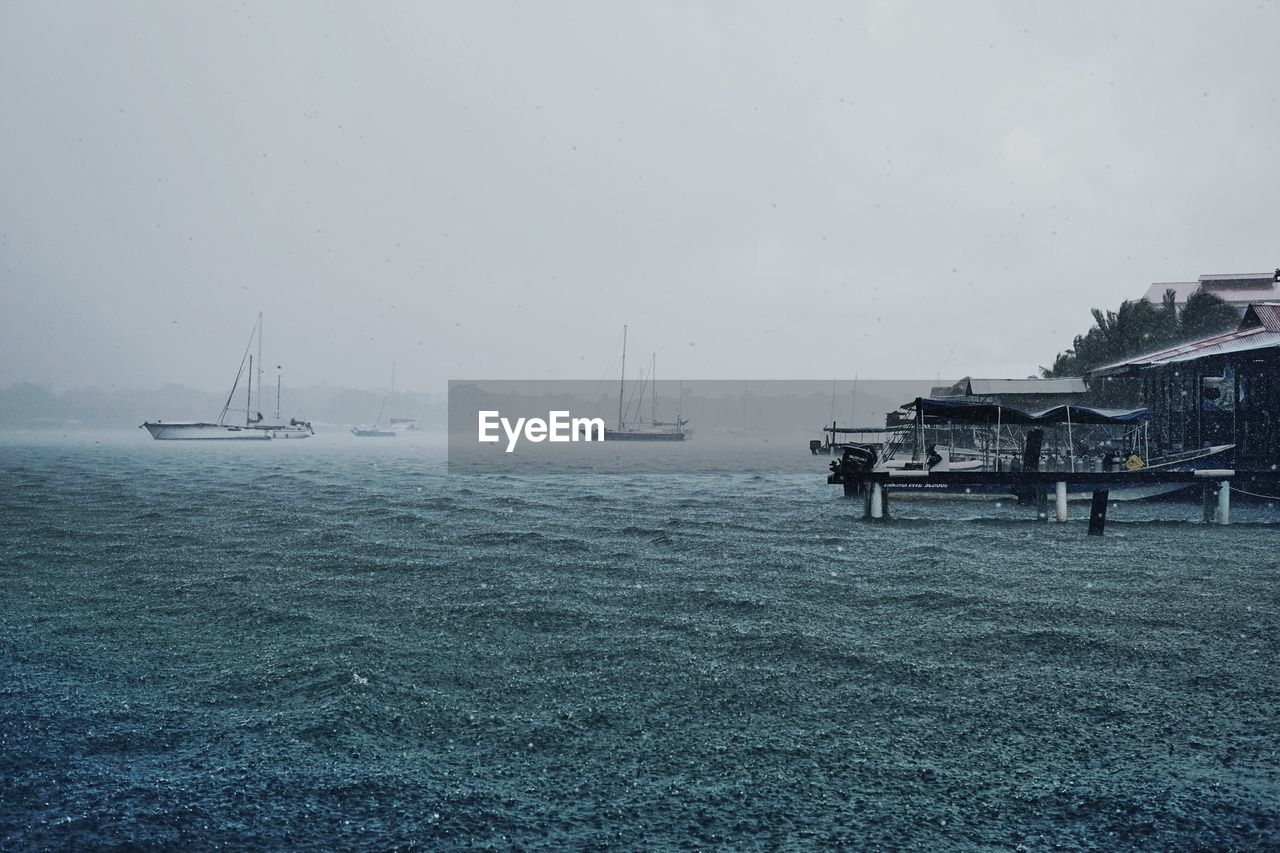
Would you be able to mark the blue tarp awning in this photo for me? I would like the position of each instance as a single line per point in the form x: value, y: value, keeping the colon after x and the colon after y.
x: 964, y: 412
x: 1089, y: 415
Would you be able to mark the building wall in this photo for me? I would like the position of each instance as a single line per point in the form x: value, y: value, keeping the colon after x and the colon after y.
x: 1240, y: 404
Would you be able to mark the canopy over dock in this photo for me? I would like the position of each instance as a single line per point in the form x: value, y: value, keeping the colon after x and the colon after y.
x: 958, y: 411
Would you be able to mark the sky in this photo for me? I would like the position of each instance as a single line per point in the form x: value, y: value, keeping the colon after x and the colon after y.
x: 491, y: 189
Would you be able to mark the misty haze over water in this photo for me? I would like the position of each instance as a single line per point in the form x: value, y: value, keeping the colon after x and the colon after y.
x: 489, y: 190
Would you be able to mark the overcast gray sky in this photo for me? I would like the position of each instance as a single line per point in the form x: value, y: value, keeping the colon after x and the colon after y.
x: 492, y: 189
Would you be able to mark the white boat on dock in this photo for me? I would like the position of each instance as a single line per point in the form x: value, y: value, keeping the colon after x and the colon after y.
x: 926, y: 461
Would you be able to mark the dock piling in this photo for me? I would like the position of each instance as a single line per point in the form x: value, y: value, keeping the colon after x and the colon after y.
x: 872, y: 486
x: 1098, y: 512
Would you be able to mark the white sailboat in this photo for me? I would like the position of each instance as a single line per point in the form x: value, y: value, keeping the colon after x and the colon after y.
x: 254, y: 428
x: 637, y: 430
x: 377, y: 430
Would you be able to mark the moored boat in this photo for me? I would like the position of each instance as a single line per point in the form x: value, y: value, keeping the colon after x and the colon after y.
x: 254, y: 427
x: 636, y: 429
x: 376, y: 431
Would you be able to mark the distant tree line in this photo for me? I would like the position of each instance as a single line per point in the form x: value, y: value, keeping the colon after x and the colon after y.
x: 1140, y: 327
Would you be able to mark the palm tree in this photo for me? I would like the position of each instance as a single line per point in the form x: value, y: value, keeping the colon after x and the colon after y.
x: 1139, y: 327
x: 1206, y: 315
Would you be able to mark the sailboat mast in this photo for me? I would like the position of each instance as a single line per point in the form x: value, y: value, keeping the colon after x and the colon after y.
x: 644, y: 386
x: 239, y: 372
x: 383, y: 407
x: 277, y: 393
x: 260, y: 364
x: 248, y: 394
x: 653, y: 400
x: 622, y: 376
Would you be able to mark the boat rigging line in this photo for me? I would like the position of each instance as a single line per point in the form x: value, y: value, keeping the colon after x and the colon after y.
x: 240, y: 372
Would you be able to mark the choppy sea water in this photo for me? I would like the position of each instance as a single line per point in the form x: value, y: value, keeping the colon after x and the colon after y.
x: 334, y: 643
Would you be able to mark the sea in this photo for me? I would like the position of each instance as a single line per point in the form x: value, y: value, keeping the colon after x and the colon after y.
x: 336, y: 643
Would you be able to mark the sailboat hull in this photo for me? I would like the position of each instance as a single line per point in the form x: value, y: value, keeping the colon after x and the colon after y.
x: 188, y: 431
x: 628, y: 435
x: 288, y: 432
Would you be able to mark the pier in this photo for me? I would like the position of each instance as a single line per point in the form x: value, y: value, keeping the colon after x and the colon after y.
x: 875, y: 488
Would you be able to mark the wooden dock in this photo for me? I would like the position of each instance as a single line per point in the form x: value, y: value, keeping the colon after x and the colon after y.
x: 873, y: 486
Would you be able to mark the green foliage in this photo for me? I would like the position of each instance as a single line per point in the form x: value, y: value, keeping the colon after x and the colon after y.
x: 1206, y: 315
x: 1139, y: 327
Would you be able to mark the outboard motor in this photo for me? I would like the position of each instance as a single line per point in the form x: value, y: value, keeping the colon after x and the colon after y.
x: 858, y: 457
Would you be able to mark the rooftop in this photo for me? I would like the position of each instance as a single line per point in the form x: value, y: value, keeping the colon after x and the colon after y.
x: 1260, y: 329
x: 1241, y: 279
x: 1237, y: 288
x: 970, y: 387
x: 1182, y: 290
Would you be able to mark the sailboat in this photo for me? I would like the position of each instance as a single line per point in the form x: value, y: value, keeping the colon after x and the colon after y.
x: 376, y: 431
x: 637, y: 430
x: 254, y: 428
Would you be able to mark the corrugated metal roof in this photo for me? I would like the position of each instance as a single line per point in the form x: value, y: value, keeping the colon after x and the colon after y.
x: 1236, y: 288
x: 1267, y: 314
x: 1243, y: 278
x: 983, y: 387
x: 1240, y: 296
x: 1262, y: 340
x: 1242, y: 340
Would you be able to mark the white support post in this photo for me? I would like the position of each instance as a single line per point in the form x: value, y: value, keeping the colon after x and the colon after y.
x: 1071, y: 447
x: 1061, y: 490
x: 877, y: 500
x: 999, y: 413
x: 1224, y: 503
